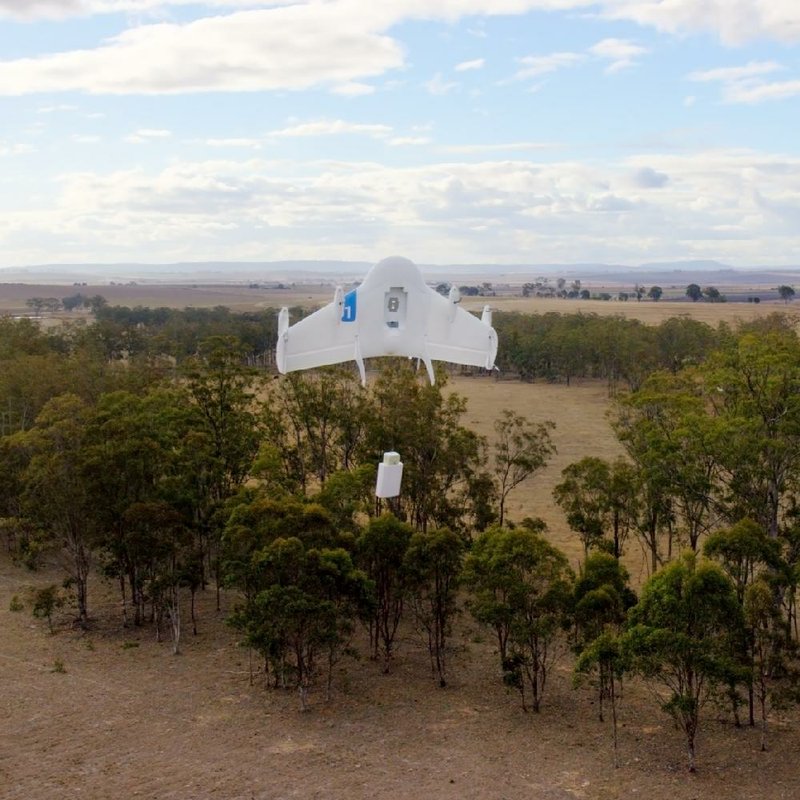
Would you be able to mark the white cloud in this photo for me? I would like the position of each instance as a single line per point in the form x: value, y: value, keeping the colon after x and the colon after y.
x: 476, y: 63
x: 534, y: 66
x: 759, y: 92
x: 294, y: 47
x: 57, y: 108
x: 734, y: 21
x: 147, y: 135
x: 233, y: 142
x: 404, y: 141
x: 735, y: 205
x: 732, y: 74
x: 334, y: 127
x: 620, y: 52
x: 437, y: 85
x: 353, y: 89
x: 746, y: 84
x: 466, y: 149
x: 292, y: 44
x: 8, y: 149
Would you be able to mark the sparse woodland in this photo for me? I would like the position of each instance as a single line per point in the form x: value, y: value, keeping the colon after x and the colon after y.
x: 157, y: 448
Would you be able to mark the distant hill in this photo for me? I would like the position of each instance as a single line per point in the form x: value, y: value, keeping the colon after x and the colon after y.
x: 666, y: 273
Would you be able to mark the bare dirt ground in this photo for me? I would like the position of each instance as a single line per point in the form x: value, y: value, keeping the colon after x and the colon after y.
x: 128, y: 719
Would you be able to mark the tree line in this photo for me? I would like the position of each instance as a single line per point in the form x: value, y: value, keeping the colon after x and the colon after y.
x: 205, y: 474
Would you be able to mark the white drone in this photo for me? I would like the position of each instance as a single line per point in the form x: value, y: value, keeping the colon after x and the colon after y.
x: 392, y: 313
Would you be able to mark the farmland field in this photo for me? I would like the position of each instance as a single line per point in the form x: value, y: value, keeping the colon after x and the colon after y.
x: 125, y: 718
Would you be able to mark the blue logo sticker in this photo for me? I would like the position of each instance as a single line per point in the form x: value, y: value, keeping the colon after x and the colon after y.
x: 349, y: 307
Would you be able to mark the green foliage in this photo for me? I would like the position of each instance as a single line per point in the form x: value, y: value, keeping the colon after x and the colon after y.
x: 441, y: 457
x: 306, y: 608
x: 433, y: 569
x: 16, y: 604
x: 786, y: 293
x: 599, y: 498
x: 381, y: 550
x: 46, y: 601
x: 522, y: 588
x: 682, y: 635
x: 58, y: 667
x: 742, y: 551
x: 521, y: 448
x: 566, y: 346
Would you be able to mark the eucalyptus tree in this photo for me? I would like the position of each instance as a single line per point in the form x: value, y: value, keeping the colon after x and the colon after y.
x: 433, y: 571
x: 746, y: 554
x: 305, y: 610
x: 522, y: 588
x: 773, y: 650
x: 316, y: 423
x: 602, y: 598
x: 135, y: 453
x: 227, y: 438
x: 55, y: 493
x: 681, y: 637
x: 599, y: 499
x: 667, y: 432
x: 381, y: 551
x: 521, y: 448
x: 752, y: 385
x: 441, y: 457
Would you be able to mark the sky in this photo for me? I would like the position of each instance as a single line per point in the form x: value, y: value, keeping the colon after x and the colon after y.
x: 446, y: 131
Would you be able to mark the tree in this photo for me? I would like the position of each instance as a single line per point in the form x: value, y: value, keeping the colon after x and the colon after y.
x: 522, y: 589
x: 694, y: 292
x: 441, y: 457
x: 55, y: 492
x: 433, y: 569
x: 752, y: 390
x: 73, y: 301
x: 713, y: 295
x: 306, y: 609
x: 667, y: 432
x: 604, y: 656
x: 598, y: 498
x: 521, y: 448
x: 681, y: 635
x: 786, y: 293
x: 36, y: 303
x: 655, y: 293
x: 227, y: 439
x: 772, y: 647
x: 745, y: 553
x: 46, y: 601
x: 601, y: 600
x: 381, y: 552
x: 317, y: 423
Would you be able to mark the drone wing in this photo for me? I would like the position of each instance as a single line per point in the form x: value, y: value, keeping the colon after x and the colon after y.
x: 455, y: 335
x: 325, y: 337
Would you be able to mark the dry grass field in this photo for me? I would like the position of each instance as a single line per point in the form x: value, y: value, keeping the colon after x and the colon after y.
x: 239, y: 297
x: 127, y: 719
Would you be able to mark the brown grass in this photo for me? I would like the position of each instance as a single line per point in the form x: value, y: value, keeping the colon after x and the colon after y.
x: 649, y: 312
x: 239, y: 297
x: 138, y: 722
